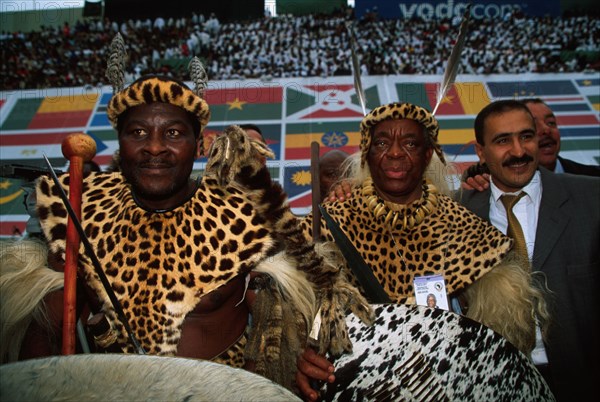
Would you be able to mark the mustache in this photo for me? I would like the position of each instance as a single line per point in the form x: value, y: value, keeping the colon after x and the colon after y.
x: 514, y: 160
x: 155, y: 162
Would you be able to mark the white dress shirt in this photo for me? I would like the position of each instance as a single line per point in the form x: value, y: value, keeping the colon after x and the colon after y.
x: 526, y: 211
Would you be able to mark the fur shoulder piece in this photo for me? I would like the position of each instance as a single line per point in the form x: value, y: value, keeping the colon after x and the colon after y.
x: 451, y: 241
x: 159, y: 263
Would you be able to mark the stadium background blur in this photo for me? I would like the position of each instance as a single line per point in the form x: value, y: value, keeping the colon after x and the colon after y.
x: 286, y: 66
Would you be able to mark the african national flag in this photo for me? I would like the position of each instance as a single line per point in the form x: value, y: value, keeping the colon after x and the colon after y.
x: 457, y: 136
x: 327, y: 100
x: 13, y: 215
x: 462, y: 98
x: 344, y: 136
x: 50, y: 112
x: 248, y: 102
x: 297, y: 185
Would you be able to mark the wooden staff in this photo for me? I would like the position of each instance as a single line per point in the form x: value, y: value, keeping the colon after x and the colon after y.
x: 78, y: 148
x: 316, y: 189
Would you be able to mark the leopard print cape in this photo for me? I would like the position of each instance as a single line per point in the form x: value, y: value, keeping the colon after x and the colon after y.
x: 451, y: 241
x: 159, y: 264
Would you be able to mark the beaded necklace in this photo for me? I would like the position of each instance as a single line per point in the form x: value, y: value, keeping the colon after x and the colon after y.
x: 400, y: 216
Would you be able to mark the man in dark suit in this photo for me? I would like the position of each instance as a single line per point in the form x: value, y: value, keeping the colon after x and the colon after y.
x: 560, y: 220
x: 573, y: 167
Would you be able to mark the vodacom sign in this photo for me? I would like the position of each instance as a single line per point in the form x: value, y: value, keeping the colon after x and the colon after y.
x: 450, y: 9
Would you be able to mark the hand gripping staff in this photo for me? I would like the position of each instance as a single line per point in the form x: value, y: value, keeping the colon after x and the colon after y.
x: 78, y: 149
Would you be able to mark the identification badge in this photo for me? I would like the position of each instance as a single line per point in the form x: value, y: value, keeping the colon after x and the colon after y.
x: 430, y: 291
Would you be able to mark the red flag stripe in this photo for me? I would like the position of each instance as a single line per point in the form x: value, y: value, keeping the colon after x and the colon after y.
x: 60, y: 119
x: 338, y: 113
x: 32, y: 139
x: 302, y: 201
x: 250, y: 94
x: 577, y: 120
x: 330, y: 87
x: 7, y: 228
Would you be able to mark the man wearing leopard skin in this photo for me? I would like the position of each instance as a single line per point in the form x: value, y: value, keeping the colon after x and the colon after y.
x: 404, y: 228
x: 177, y: 250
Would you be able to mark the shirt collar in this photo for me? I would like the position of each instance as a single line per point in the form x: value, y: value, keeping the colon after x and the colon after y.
x: 533, y: 188
x: 559, y: 167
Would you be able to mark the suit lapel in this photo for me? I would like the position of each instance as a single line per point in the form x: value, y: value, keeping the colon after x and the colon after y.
x: 479, y: 204
x: 551, y: 219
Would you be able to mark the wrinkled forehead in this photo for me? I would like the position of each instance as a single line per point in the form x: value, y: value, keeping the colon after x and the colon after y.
x: 398, y: 127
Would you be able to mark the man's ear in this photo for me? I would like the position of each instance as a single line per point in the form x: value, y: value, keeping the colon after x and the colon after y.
x: 479, y: 149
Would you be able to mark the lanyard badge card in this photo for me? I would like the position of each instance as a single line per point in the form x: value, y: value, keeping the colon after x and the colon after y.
x: 430, y: 291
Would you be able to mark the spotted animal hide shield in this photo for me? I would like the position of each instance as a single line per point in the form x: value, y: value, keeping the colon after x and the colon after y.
x: 415, y: 353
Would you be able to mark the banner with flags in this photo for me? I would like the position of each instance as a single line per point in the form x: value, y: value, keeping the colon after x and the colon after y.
x: 50, y: 112
x: 292, y: 113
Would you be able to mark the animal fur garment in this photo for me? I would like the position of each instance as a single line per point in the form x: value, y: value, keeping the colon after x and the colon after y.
x: 416, y: 353
x: 508, y: 300
x: 163, y: 263
x: 450, y: 241
x: 25, y: 280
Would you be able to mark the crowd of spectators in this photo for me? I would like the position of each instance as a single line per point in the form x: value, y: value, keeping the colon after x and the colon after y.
x: 301, y: 46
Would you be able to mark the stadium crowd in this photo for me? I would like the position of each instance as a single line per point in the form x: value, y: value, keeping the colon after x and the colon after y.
x: 300, y: 46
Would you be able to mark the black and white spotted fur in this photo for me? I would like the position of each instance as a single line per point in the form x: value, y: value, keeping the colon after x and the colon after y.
x: 415, y: 353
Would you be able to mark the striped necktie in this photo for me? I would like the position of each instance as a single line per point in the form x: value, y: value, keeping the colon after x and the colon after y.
x: 514, y: 228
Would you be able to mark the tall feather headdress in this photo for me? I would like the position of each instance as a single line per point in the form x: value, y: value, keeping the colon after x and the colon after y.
x: 453, y: 61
